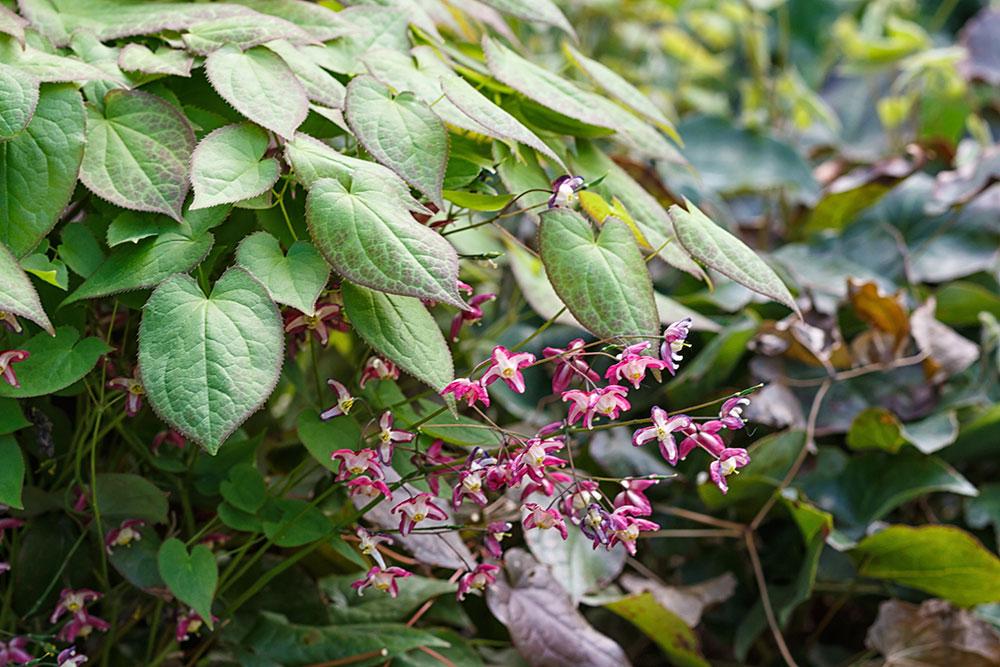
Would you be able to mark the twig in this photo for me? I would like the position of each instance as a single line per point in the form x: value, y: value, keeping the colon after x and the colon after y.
x: 352, y: 659
x: 765, y: 599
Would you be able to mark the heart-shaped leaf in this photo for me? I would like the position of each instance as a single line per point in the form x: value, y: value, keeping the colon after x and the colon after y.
x: 38, y: 168
x: 192, y: 578
x: 18, y: 99
x: 54, y: 362
x: 371, y: 239
x: 226, y: 166
x: 259, y: 85
x: 209, y: 362
x: 295, y: 279
x: 244, y: 489
x: 126, y: 496
x: 720, y: 250
x: 17, y: 294
x: 401, y: 329
x: 399, y: 131
x: 603, y: 281
x: 138, y: 152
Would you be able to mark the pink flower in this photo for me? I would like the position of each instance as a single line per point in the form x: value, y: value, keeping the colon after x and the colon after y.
x: 595, y: 523
x: 500, y: 475
x: 377, y: 368
x: 496, y: 532
x: 123, y: 535
x: 387, y: 437
x: 368, y: 544
x: 14, y: 653
x: 632, y: 365
x: 470, y: 485
x: 369, y: 488
x: 625, y: 528
x: 564, y: 190
x: 73, y: 601
x: 189, y: 624
x: 344, y: 401
x: 133, y: 392
x: 171, y: 436
x: 327, y: 316
x: 81, y: 625
x: 417, y: 509
x: 575, y: 504
x: 473, y: 315
x: 381, y: 579
x: 507, y: 367
x: 434, y: 456
x: 569, y: 363
x: 543, y: 519
x: 731, y: 413
x: 363, y: 462
x: 581, y: 405
x: 68, y: 657
x: 7, y: 360
x: 729, y: 461
x: 663, y: 431
x: 546, y: 485
x: 477, y: 580
x: 470, y: 390
x: 704, y: 435
x: 634, y: 496
x: 673, y: 342
x: 536, y: 457
x: 9, y: 321
x: 9, y: 523
x: 610, y: 401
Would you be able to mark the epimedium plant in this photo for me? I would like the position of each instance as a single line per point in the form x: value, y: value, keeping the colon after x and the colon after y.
x: 271, y: 390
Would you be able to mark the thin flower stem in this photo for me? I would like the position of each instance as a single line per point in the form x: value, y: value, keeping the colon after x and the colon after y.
x: 698, y: 517
x: 765, y: 599
x: 549, y: 322
x: 353, y: 659
x: 284, y: 211
x: 693, y: 532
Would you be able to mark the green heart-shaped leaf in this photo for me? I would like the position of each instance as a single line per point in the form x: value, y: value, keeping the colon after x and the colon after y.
x: 209, y: 362
x: 226, y: 167
x: 295, y: 279
x: 54, y: 363
x: 603, y: 281
x: 17, y: 294
x: 190, y: 577
x: 18, y: 99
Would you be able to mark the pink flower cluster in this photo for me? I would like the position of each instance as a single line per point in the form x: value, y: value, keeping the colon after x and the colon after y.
x: 81, y: 622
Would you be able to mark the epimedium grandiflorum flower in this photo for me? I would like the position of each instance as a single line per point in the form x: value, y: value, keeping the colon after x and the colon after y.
x: 632, y: 365
x: 189, y: 624
x: 564, y: 190
x: 344, y: 401
x: 361, y: 462
x: 546, y: 485
x: 471, y: 316
x: 9, y: 320
x: 496, y: 532
x: 543, y: 519
x: 704, y: 435
x: 662, y: 430
x: 327, y: 316
x: 417, y: 509
x: 68, y: 657
x: 595, y: 524
x: 728, y: 463
x: 468, y: 390
x: 434, y: 457
x: 507, y: 366
x: 674, y: 337
x: 586, y: 492
x: 368, y: 488
x: 377, y: 368
x: 73, y: 601
x: 368, y: 544
x: 569, y: 363
x: 536, y: 457
x: 388, y: 437
x: 626, y: 527
x: 381, y: 579
x: 81, y: 625
x: 471, y: 479
x: 7, y: 360
x: 133, y: 389
x: 124, y: 535
x: 14, y: 652
x: 476, y: 581
x: 731, y: 413
x: 634, y: 495
x: 611, y: 401
x: 170, y: 436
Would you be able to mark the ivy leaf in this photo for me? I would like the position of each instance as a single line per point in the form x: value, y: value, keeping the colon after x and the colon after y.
x: 944, y: 561
x: 192, y: 578
x: 11, y: 472
x: 399, y: 131
x: 209, y: 362
x: 295, y: 279
x: 603, y: 281
x: 226, y: 166
x: 259, y: 85
x: 373, y: 240
x: 720, y: 250
x: 17, y: 294
x: 539, y: 11
x: 18, y: 99
x: 55, y: 362
x: 138, y: 153
x: 401, y: 329
x: 38, y: 168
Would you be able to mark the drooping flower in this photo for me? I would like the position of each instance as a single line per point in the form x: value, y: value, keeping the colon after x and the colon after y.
x: 704, y: 435
x: 507, y: 367
x: 81, y: 625
x: 545, y: 486
x: 471, y: 316
x: 14, y: 653
x: 344, y: 401
x: 477, y: 580
x: 133, y: 389
x: 564, y: 190
x: 369, y: 488
x: 535, y: 457
x: 632, y: 365
x: 501, y: 474
x: 189, y: 624
x: 377, y: 368
x: 470, y: 485
x: 634, y: 495
x: 362, y: 462
x: 435, y: 456
x: 580, y: 406
x: 169, y: 436
x: 382, y: 579
x: 625, y: 528
x: 586, y: 493
x: 416, y: 509
x: 731, y: 413
x: 73, y: 601
x: 388, y: 437
x: 673, y: 342
x: 728, y: 463
x: 496, y: 532
x: 9, y: 321
x: 543, y: 519
x: 595, y: 523
x: 610, y: 401
x: 68, y: 657
x: 469, y: 390
x: 327, y: 316
x: 368, y: 544
x: 124, y: 534
x: 7, y: 360
x: 662, y: 430
x: 569, y: 363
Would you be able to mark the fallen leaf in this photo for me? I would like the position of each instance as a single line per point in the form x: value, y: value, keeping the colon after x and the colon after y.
x: 688, y: 602
x: 948, y: 352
